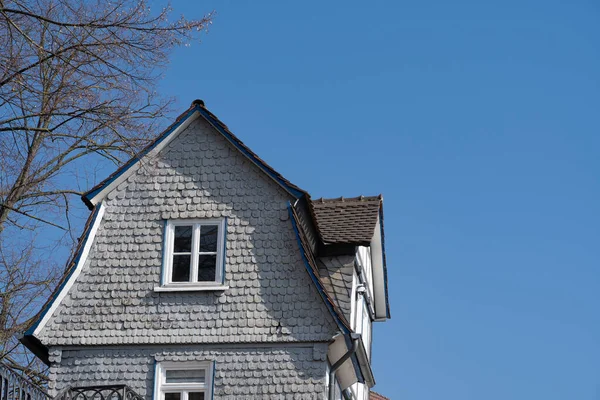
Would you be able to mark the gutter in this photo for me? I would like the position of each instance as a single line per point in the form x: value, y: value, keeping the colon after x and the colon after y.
x: 355, y: 341
x: 365, y: 365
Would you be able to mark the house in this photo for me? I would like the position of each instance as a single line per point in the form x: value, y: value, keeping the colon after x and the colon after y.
x: 205, y: 274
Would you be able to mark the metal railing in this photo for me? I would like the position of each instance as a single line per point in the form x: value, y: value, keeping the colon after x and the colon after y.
x: 14, y: 386
x: 108, y: 392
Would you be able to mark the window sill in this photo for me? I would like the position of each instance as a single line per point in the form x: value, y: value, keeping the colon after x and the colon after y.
x: 216, y: 287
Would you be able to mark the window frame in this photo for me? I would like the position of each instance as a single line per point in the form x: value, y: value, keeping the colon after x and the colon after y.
x: 161, y: 387
x: 168, y: 253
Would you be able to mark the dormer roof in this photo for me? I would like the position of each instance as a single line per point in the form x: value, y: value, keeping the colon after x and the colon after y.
x: 347, y: 220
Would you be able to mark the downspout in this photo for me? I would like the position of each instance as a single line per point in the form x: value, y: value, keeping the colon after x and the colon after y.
x: 355, y: 338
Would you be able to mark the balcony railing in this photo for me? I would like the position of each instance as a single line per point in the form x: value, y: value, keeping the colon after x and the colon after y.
x: 109, y: 392
x: 14, y: 386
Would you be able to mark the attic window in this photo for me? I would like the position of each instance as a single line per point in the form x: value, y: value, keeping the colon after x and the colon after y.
x: 194, y: 254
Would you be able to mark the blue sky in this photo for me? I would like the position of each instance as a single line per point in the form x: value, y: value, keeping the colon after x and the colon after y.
x: 479, y: 122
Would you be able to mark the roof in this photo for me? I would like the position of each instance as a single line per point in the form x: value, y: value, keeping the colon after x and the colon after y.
x: 376, y: 396
x: 347, y: 220
x: 197, y: 106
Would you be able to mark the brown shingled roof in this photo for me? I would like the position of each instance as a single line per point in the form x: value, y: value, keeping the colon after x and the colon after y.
x: 376, y: 396
x: 220, y: 127
x: 347, y: 220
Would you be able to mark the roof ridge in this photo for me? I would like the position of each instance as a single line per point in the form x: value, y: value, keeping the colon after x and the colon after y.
x: 342, y: 199
x: 196, y: 106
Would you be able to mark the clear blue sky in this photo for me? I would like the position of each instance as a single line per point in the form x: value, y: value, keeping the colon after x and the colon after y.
x: 479, y: 123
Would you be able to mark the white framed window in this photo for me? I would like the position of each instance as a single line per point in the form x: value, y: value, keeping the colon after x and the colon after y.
x: 194, y: 254
x: 183, y: 380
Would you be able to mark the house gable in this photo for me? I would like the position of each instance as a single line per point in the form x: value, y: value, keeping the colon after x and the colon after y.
x: 199, y: 174
x: 197, y: 109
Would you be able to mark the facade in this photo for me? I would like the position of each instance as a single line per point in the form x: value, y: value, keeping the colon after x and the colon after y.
x: 204, y: 274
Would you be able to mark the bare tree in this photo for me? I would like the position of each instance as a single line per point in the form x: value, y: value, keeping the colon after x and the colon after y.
x: 25, y: 281
x: 77, y: 86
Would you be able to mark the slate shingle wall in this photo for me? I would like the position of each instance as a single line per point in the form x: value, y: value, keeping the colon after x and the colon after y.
x: 336, y: 274
x: 307, y: 226
x: 242, y: 373
x: 199, y: 175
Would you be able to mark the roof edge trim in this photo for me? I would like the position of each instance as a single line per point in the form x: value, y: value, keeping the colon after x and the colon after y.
x: 96, y: 194
x: 36, y: 347
x: 71, y: 275
x: 313, y: 277
x: 215, y: 123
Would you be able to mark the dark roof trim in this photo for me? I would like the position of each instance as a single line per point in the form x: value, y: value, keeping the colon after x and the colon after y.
x: 36, y: 347
x: 294, y: 190
x: 28, y: 339
x: 93, y: 192
x: 337, y: 315
x: 197, y: 106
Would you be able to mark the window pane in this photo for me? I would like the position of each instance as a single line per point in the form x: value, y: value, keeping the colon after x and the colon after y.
x: 207, y: 265
x: 196, y: 396
x: 172, y: 396
x: 181, y: 268
x: 184, y: 376
x: 183, y: 239
x: 208, y: 238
